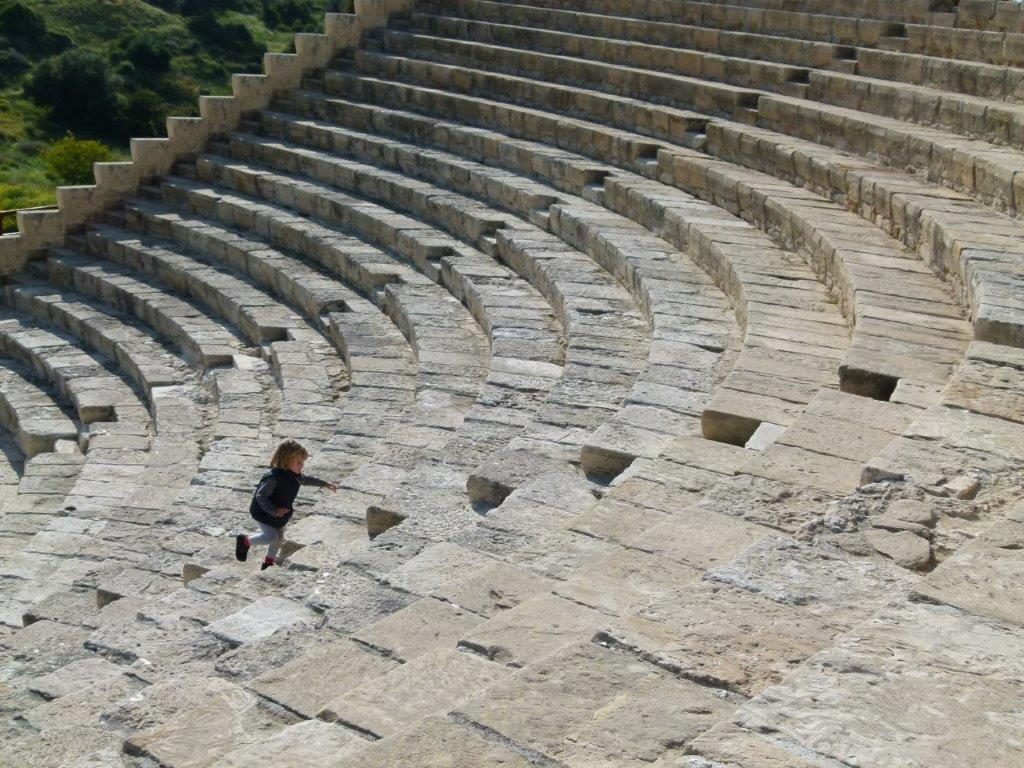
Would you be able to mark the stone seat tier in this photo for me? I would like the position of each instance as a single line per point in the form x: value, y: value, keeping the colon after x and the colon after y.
x: 447, y: 383
x: 738, y: 70
x: 83, y: 380
x: 991, y: 81
x: 978, y: 249
x: 886, y: 255
x: 203, y: 340
x: 135, y: 351
x: 993, y: 47
x: 380, y: 376
x: 30, y: 414
x: 566, y: 284
x: 979, y: 117
x: 579, y: 224
x: 800, y: 53
x: 591, y: 230
x: 936, y: 14
x: 978, y: 167
x: 470, y: 220
x: 991, y: 280
x: 303, y: 361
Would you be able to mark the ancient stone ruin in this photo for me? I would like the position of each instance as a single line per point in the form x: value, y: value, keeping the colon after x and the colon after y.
x: 669, y: 357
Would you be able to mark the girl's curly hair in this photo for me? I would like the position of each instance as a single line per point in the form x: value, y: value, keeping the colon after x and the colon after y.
x: 285, y: 452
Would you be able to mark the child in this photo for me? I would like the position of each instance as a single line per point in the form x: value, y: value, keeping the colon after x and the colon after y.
x: 271, y: 505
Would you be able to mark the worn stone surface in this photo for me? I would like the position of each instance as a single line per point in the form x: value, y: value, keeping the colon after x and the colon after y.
x: 262, y: 618
x: 433, y: 683
x: 306, y: 683
x: 930, y: 671
x: 425, y: 625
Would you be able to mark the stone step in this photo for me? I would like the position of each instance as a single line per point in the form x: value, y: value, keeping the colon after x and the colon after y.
x: 208, y: 343
x: 977, y: 117
x: 548, y: 281
x: 676, y: 91
x: 259, y: 318
x: 30, y: 414
x: 907, y: 653
x: 83, y: 380
x: 976, y: 247
x: 991, y: 81
x: 300, y: 356
x: 867, y: 232
x: 633, y: 266
x: 737, y: 70
x: 740, y: 44
x: 912, y: 11
x: 994, y: 47
x: 135, y: 351
x: 426, y: 686
x: 587, y: 705
x: 531, y: 155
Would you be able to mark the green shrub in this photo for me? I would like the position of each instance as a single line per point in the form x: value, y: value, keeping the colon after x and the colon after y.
x: 12, y: 65
x: 26, y: 30
x: 149, y: 51
x: 70, y: 160
x: 79, y: 89
x: 144, y: 114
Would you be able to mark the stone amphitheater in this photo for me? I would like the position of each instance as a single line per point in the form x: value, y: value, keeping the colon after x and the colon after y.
x: 669, y: 355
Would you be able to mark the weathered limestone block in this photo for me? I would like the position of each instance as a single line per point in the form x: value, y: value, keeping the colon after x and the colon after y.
x: 426, y: 625
x: 435, y: 566
x: 532, y: 630
x: 305, y: 684
x: 985, y: 577
x: 626, y: 581
x: 493, y: 589
x: 593, y: 702
x: 432, y: 683
x: 260, y: 619
x: 76, y: 676
x: 308, y: 744
x: 904, y: 548
x: 197, y: 737
x: 917, y: 686
x: 437, y: 742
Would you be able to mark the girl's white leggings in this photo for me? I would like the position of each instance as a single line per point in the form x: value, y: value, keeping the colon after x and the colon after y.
x: 269, y: 535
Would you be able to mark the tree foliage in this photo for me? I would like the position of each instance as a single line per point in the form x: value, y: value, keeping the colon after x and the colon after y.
x: 70, y: 160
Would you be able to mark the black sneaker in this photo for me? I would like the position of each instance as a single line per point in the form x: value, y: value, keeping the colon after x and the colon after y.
x: 241, y: 548
x: 264, y: 565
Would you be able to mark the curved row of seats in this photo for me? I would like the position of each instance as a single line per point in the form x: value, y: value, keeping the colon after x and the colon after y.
x: 599, y: 335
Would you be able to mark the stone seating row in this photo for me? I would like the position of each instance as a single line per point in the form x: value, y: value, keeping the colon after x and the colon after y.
x: 980, y: 116
x: 846, y: 279
x: 989, y: 315
x: 980, y: 79
x: 992, y: 47
x: 520, y: 195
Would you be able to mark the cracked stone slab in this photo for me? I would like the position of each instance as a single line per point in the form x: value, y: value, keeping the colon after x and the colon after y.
x: 227, y: 719
x: 432, y: 683
x: 919, y: 686
x: 493, y: 589
x: 260, y: 619
x: 437, y: 742
x: 425, y: 625
x: 305, y: 684
x: 303, y: 745
x: 590, y: 703
x: 532, y: 630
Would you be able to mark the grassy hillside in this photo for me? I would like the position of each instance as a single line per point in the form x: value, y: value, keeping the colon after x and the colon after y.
x: 107, y: 70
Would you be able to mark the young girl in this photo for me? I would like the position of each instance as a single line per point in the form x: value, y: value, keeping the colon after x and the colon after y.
x: 271, y: 505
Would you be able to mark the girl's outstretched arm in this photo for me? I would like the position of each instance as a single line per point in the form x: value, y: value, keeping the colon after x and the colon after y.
x: 316, y: 482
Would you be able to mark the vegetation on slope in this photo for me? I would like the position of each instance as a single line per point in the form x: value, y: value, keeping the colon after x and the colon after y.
x: 108, y: 70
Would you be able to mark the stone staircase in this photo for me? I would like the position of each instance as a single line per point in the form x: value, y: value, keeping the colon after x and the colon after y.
x: 667, y: 356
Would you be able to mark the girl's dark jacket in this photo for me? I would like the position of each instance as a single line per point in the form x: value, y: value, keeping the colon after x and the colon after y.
x: 278, y: 488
